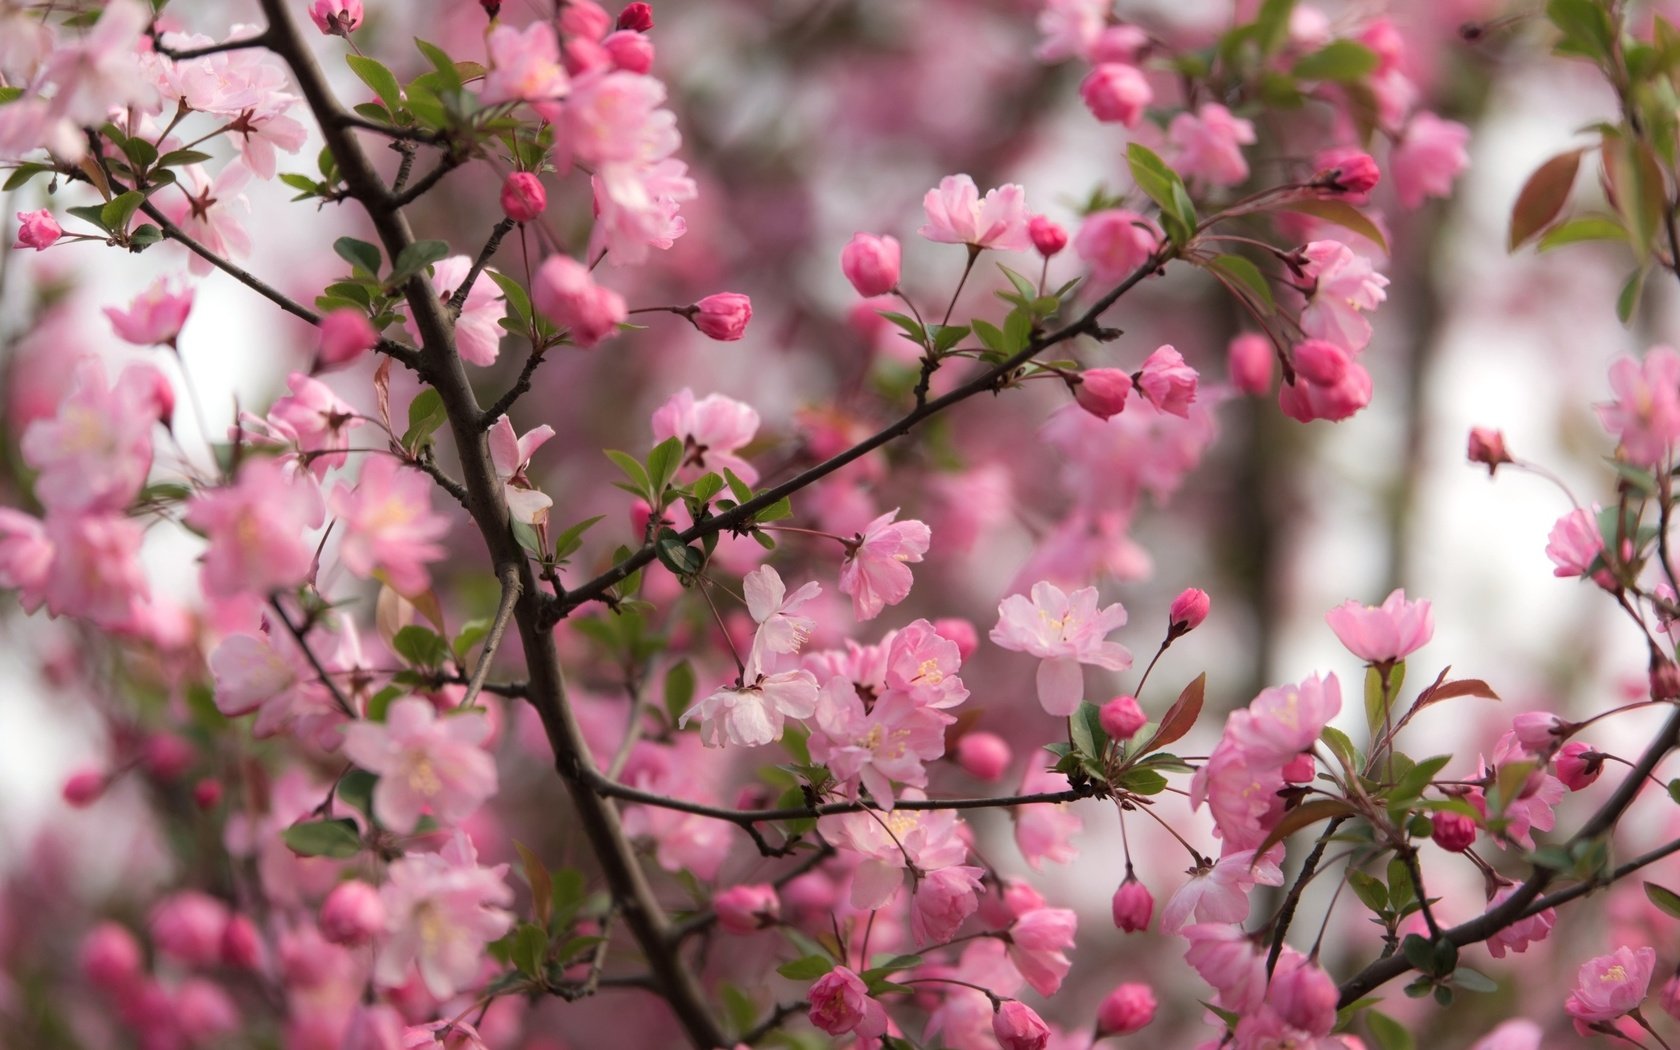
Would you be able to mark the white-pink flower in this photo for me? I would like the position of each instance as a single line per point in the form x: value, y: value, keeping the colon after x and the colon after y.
x: 259, y: 529
x: 1063, y: 631
x: 565, y: 292
x: 1344, y: 285
x: 956, y: 214
x: 754, y: 714
x: 1208, y: 145
x: 478, y: 330
x: 95, y: 453
x: 1645, y: 415
x: 387, y: 524
x: 511, y: 455
x: 780, y: 630
x: 876, y: 572
x: 441, y: 910
x: 1220, y: 893
x: 525, y: 67
x: 154, y: 317
x: 711, y: 430
x: 1610, y: 986
x: 1384, y: 633
x: 427, y: 765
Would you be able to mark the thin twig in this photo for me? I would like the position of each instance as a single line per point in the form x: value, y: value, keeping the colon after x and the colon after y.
x: 520, y: 387
x: 187, y: 53
x: 314, y: 661
x: 504, y: 612
x: 457, y: 300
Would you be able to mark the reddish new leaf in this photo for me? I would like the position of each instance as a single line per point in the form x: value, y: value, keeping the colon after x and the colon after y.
x: 1304, y: 815
x: 1181, y: 716
x: 1543, y: 197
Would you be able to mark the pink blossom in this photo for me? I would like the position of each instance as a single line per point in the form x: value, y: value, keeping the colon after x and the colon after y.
x: 336, y: 17
x: 1429, y: 156
x: 345, y: 336
x: 1063, y: 631
x: 586, y: 19
x: 957, y: 215
x: 266, y: 672
x: 614, y: 118
x: 1610, y: 986
x: 711, y: 430
x: 1305, y: 401
x: 747, y: 908
x: 187, y: 927
x: 1127, y: 1009
x: 478, y: 329
x: 525, y: 67
x: 753, y: 714
x: 1518, y: 935
x: 929, y: 840
x: 441, y: 910
x: 636, y: 17
x: 1519, y: 1034
x: 876, y: 572
x: 636, y: 209
x: 1121, y: 717
x: 566, y: 293
x: 1575, y: 543
x: 1302, y: 994
x: 1045, y: 832
x: 109, y: 957
x: 1132, y: 905
x: 427, y: 765
x: 1208, y: 145
x: 723, y: 316
x: 1453, y: 832
x: 352, y: 914
x: 1385, y: 633
x: 944, y: 899
x: 1487, y: 445
x: 95, y: 570
x: 84, y: 787
x: 258, y: 529
x: 1230, y: 961
x: 840, y: 1003
x: 100, y: 72
x: 984, y: 756
x: 511, y: 455
x: 26, y: 557
x: 387, y: 525
x: 889, y: 741
x: 37, y: 230
x: 1645, y: 415
x: 871, y: 263
x: 95, y: 453
x: 523, y: 197
x: 1018, y: 1027
x: 1344, y: 285
x: 1038, y: 944
x: 1168, y: 383
x: 209, y: 210
x: 780, y: 630
x: 923, y: 663
x: 314, y: 421
x: 1578, y: 765
x: 1102, y: 391
x: 1219, y: 894
x: 443, y: 1035
x: 1539, y: 731
x: 1114, y: 243
x: 1188, y: 610
x: 1249, y: 361
x: 1346, y: 171
x: 1048, y: 237
x: 1116, y: 93
x: 1070, y: 27
x: 629, y: 50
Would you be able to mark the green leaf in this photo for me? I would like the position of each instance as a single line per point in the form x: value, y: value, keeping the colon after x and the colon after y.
x: 567, y: 543
x: 420, y: 646
x: 911, y: 326
x: 415, y: 258
x: 676, y: 556
x: 1543, y: 197
x: 1586, y: 28
x: 517, y: 299
x: 1585, y: 228
x: 530, y: 948
x: 1388, y: 1033
x: 1473, y: 980
x: 1410, y: 786
x: 662, y: 464
x: 679, y: 689
x: 1628, y: 299
x: 356, y: 789
x: 1086, y: 731
x: 1271, y: 25
x: 1369, y: 889
x: 323, y: 838
x: 632, y: 468
x: 379, y: 703
x: 947, y: 336
x: 359, y: 254
x: 1242, y: 272
x: 737, y: 488
x: 1342, y: 214
x: 569, y: 892
x: 1340, y: 60
x: 1419, y: 952
x: 23, y: 174
x: 1024, y: 288
x: 92, y: 214
x: 782, y: 508
x: 176, y: 158
x: 536, y: 877
x: 1140, y: 780
x: 1666, y: 899
x: 1340, y: 746
x: 1379, y: 701
x: 1302, y: 816
x: 1401, y: 890
x: 806, y: 968
x: 445, y: 66
x: 425, y: 415
x: 1165, y: 188
x: 380, y: 79
x: 1674, y: 790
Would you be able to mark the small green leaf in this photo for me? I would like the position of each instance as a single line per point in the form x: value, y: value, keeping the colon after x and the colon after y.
x: 441, y: 62
x: 1473, y: 980
x: 530, y: 948
x: 356, y: 789
x: 415, y: 258
x: 380, y: 79
x: 420, y: 646
x: 323, y: 838
x: 567, y: 543
x: 632, y: 468
x: 1340, y: 60
x: 662, y: 464
x: 806, y: 968
x: 1584, y: 228
x: 1666, y: 899
x: 1388, y: 1033
x: 1244, y: 273
x: 425, y: 415
x: 1342, y: 214
x: 359, y: 254
x: 679, y: 689
x: 1369, y: 889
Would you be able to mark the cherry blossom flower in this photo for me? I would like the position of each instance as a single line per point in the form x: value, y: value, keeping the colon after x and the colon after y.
x: 1208, y: 144
x: 441, y: 910
x: 1645, y: 415
x: 1429, y: 156
x: 1518, y: 935
x: 209, y: 210
x: 1132, y: 905
x: 37, y: 230
x: 723, y: 316
x: 1230, y: 961
x: 1518, y: 1034
x: 566, y: 293
x: 154, y: 317
x: 1018, y: 1027
x: 747, y: 908
x: 1168, y: 383
x: 929, y: 840
x: 636, y: 209
x: 614, y: 117
x: 1102, y: 391
x: 1250, y: 362
x: 387, y: 524
x: 96, y: 74
x: 1609, y: 986
x: 840, y: 1003
x: 427, y: 765
x: 525, y: 67
x: 259, y: 529
x: 1305, y: 401
x: 267, y: 673
x: 1045, y: 832
x: 523, y: 197
x: 752, y: 715
x: 923, y: 663
x: 478, y: 329
x: 889, y: 741
x: 780, y: 631
x: 1048, y: 237
x: 336, y: 17
x: 1219, y: 894
x: 511, y: 456
x: 1116, y: 93
x: 1063, y: 631
x: 1575, y: 543
x: 1127, y: 1009
x: 95, y: 571
x: 1344, y: 285
x: 1114, y: 243
x: 26, y: 557
x: 315, y: 422
x: 443, y: 1035
x: 345, y: 336
x: 876, y: 572
x: 1385, y: 633
x: 711, y: 429
x: 1070, y: 27
x: 943, y: 901
x: 871, y: 263
x: 957, y: 215
x: 94, y: 455
x: 1038, y: 944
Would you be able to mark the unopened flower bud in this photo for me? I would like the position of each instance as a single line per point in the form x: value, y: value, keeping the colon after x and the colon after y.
x: 1102, y: 391
x: 1188, y: 610
x: 241, y: 945
x: 871, y: 263
x: 637, y: 17
x: 1018, y: 1027
x: 581, y: 55
x: 84, y: 787
x: 723, y: 316
x: 629, y: 51
x: 37, y: 230
x: 346, y: 334
x: 352, y: 914
x: 984, y: 756
x: 207, y: 793
x: 1578, y: 765
x: 1453, y: 832
x: 1346, y: 170
x: 746, y: 908
x: 1047, y: 237
x: 1128, y: 1008
x: 187, y: 927
x: 1300, y: 769
x: 523, y: 197
x: 166, y: 756
x: 1488, y: 446
x: 1132, y: 905
x: 585, y: 19
x: 1121, y: 717
x: 1116, y: 93
x: 1249, y: 363
x: 110, y: 957
x: 1320, y: 362
x: 958, y: 632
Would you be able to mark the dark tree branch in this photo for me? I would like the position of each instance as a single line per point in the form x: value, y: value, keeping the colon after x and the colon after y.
x: 459, y: 298
x: 520, y: 388
x: 504, y: 610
